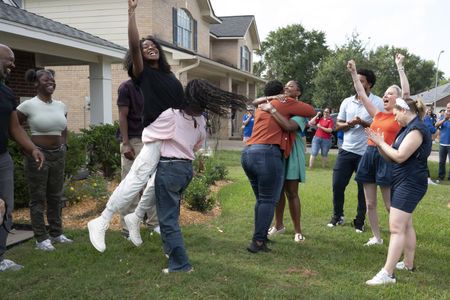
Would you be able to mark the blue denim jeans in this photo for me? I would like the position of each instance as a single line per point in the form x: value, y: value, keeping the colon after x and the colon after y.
x: 172, y: 178
x: 264, y: 167
x: 444, y: 152
x: 321, y: 144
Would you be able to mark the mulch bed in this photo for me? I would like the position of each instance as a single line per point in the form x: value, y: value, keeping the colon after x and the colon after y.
x: 77, y: 215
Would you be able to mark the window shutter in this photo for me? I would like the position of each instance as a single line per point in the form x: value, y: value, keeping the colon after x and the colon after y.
x: 195, y: 35
x: 174, y: 25
x: 242, y: 58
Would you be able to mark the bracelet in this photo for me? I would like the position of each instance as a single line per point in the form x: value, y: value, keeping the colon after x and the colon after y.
x: 273, y: 110
x: 131, y: 13
x: 401, y: 68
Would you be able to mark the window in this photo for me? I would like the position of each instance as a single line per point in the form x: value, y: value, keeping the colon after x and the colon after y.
x: 245, y: 59
x: 184, y: 29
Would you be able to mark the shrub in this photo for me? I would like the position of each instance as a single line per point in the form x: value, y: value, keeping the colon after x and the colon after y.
x: 102, y: 148
x: 95, y: 187
x: 196, y: 195
x: 21, y: 194
x: 76, y: 154
x: 214, y: 171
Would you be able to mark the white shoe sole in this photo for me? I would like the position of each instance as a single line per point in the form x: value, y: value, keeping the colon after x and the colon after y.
x: 99, y: 248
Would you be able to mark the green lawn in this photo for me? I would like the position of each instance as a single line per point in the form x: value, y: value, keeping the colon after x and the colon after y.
x: 330, y: 264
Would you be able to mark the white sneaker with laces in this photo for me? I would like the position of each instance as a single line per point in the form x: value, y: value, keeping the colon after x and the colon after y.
x: 273, y: 230
x: 374, y: 241
x: 8, y: 264
x: 298, y: 238
x: 157, y: 229
x: 381, y: 278
x: 45, y: 245
x: 430, y: 182
x: 97, y: 229
x: 62, y: 239
x: 133, y: 223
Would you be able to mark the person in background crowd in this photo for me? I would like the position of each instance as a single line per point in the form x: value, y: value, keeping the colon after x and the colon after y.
x: 409, y: 154
x: 47, y: 119
x: 10, y: 127
x: 444, y: 142
x: 430, y: 120
x: 247, y: 122
x: 352, y: 119
x: 322, y: 137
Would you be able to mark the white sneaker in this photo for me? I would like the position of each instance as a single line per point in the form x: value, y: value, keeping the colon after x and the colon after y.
x: 45, y: 245
x: 298, y: 238
x: 7, y: 264
x: 133, y: 223
x: 430, y: 182
x: 97, y: 229
x: 62, y: 239
x: 273, y: 230
x: 381, y: 278
x: 402, y: 266
x: 374, y: 241
x: 157, y: 229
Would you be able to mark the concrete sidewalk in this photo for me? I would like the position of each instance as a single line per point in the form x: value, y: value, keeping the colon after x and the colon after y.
x: 238, y: 145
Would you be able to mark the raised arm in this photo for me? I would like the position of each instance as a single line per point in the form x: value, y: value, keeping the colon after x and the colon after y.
x: 133, y: 39
x: 399, y: 59
x: 263, y: 99
x: 371, y: 109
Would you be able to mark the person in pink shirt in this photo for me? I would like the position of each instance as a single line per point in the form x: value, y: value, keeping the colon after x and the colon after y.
x: 322, y: 137
x: 180, y: 133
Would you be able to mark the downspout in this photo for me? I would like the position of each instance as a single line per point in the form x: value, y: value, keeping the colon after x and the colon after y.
x: 187, y: 68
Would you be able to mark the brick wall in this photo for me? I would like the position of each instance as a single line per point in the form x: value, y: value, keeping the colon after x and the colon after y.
x: 24, y: 61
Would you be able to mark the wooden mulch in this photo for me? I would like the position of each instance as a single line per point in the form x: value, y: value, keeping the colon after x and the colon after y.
x: 77, y: 215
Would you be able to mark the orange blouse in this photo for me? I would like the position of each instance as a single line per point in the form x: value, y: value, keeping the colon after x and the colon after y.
x: 386, y: 123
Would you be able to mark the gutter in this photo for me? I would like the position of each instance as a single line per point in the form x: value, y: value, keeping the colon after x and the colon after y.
x: 187, y: 68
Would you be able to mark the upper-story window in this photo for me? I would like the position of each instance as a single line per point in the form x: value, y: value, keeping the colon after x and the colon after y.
x: 184, y: 29
x: 245, y: 59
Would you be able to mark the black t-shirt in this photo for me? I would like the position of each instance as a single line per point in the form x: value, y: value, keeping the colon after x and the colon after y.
x: 7, y: 106
x: 161, y: 91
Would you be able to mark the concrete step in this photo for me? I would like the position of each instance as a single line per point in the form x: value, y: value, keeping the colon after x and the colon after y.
x: 20, y: 234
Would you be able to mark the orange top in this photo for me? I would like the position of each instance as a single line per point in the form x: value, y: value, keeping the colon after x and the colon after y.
x: 266, y: 129
x: 387, y: 125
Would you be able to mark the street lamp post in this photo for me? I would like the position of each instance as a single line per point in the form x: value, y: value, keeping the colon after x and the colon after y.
x: 436, y: 82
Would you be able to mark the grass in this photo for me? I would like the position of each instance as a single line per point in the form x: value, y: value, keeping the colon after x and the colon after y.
x: 330, y: 264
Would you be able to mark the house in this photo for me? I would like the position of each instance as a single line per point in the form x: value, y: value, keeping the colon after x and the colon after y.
x: 197, y: 43
x: 41, y: 42
x: 437, y: 97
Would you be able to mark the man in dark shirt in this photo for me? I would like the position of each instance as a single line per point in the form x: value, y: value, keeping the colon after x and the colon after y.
x: 9, y: 126
x: 130, y: 103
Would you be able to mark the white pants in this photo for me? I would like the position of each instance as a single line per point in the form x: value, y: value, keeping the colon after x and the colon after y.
x: 143, y: 167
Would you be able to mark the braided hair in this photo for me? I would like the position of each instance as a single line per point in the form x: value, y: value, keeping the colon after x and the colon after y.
x: 204, y: 95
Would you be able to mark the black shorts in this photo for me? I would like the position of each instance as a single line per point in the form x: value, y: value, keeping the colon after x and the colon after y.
x: 373, y: 168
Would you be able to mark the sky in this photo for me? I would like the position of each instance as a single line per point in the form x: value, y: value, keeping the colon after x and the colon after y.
x: 421, y: 26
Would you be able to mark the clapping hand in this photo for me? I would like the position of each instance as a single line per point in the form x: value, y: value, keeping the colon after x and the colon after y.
x: 376, y: 136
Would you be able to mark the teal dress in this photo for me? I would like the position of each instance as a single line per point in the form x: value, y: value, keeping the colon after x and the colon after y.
x: 296, y: 162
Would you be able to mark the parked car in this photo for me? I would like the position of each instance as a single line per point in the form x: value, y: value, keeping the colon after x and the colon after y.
x: 311, y: 131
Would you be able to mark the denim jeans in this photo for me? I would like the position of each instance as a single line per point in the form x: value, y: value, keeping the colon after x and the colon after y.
x: 346, y: 164
x: 444, y: 152
x: 321, y: 144
x: 46, y: 189
x: 172, y: 178
x: 264, y: 167
x: 7, y: 194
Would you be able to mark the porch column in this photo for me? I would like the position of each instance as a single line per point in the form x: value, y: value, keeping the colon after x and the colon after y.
x: 225, y: 130
x: 100, y: 87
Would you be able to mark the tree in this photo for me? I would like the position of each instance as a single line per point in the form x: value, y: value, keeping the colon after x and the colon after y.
x: 332, y: 82
x: 292, y: 53
x: 420, y: 72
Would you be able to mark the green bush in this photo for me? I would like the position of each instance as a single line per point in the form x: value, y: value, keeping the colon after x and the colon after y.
x: 76, y: 154
x: 102, y: 148
x: 214, y: 171
x: 196, y: 195
x: 21, y: 194
x: 95, y: 186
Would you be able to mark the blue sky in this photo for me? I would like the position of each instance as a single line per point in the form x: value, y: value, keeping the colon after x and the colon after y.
x: 421, y: 26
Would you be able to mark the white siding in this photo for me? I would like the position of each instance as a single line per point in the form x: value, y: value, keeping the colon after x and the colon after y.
x: 104, y: 18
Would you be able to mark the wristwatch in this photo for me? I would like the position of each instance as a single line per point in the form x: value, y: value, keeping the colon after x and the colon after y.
x: 273, y: 110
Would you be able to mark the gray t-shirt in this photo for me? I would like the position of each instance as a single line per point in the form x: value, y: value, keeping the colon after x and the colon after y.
x: 355, y: 139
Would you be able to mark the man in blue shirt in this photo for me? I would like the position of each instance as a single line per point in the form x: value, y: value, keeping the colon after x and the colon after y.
x: 444, y: 145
